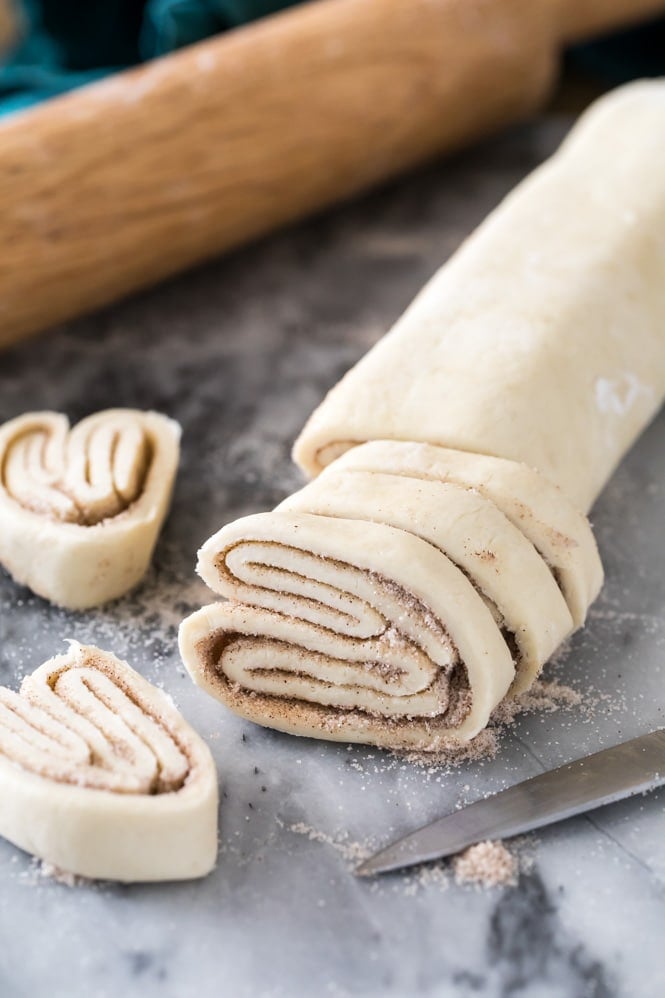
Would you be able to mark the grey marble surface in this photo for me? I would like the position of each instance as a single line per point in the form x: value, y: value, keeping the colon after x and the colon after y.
x: 240, y: 352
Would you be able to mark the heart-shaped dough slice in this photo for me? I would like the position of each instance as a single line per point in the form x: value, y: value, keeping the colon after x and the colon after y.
x: 101, y: 776
x: 80, y: 509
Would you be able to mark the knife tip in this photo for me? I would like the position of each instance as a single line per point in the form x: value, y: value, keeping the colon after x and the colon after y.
x: 366, y: 869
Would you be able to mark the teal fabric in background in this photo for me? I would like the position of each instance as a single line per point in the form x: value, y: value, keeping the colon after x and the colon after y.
x: 66, y: 43
x: 626, y: 56
x: 170, y: 24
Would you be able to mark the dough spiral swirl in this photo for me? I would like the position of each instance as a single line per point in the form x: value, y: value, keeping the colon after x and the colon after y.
x: 86, y: 475
x: 394, y: 600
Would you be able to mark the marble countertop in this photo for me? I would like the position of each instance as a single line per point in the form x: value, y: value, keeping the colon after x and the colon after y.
x: 240, y: 352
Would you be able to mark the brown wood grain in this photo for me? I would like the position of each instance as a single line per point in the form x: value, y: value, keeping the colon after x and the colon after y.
x: 127, y: 181
x: 9, y: 27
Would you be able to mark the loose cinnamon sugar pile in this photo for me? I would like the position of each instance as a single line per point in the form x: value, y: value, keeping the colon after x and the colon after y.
x: 546, y: 696
x: 488, y: 864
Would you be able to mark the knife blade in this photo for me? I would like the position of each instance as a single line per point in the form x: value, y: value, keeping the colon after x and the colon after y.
x: 633, y: 767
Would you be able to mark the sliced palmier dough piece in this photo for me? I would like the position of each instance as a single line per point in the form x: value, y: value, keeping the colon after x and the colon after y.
x: 347, y: 630
x: 101, y: 776
x: 81, y: 509
x: 539, y: 510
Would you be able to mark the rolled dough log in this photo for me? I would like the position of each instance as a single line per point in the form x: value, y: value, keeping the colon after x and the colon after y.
x: 542, y: 339
x: 101, y: 776
x: 443, y: 554
x: 81, y: 509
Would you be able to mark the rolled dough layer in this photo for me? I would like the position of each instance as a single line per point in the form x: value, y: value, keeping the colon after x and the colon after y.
x: 81, y: 509
x: 443, y: 554
x: 101, y: 776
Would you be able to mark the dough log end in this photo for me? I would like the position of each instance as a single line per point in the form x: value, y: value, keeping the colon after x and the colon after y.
x: 395, y: 601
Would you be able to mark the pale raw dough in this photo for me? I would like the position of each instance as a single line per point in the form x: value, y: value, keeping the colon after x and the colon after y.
x: 443, y: 554
x: 100, y: 776
x: 542, y: 339
x: 80, y: 509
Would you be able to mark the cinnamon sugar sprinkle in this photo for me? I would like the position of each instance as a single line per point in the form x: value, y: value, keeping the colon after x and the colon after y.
x: 542, y: 696
x: 488, y: 864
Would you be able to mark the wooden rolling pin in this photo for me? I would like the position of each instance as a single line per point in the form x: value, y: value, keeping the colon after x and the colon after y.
x: 124, y: 182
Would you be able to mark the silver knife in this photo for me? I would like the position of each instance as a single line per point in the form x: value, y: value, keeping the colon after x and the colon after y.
x: 611, y: 775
